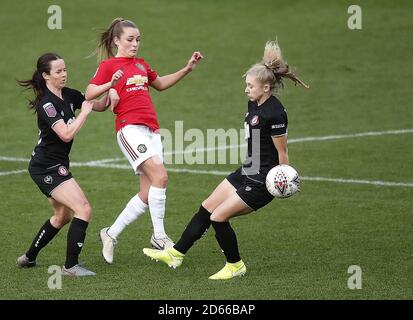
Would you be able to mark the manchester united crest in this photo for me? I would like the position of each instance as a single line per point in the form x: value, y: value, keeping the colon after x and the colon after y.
x: 142, y: 148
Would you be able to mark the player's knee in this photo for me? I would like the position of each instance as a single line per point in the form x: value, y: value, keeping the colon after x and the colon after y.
x: 216, y: 217
x: 85, y: 211
x: 161, y: 180
x: 208, y: 206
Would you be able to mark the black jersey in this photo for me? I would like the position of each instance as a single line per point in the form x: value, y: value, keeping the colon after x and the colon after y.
x: 261, y: 123
x: 51, y: 150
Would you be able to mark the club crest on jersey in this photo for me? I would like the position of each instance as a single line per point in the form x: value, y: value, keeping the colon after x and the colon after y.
x: 142, y: 148
x: 140, y: 66
x: 62, y: 171
x: 255, y: 120
x: 62, y: 113
x: 50, y: 110
x: 48, y: 179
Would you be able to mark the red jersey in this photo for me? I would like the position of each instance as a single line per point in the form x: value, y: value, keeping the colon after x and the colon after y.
x: 135, y: 105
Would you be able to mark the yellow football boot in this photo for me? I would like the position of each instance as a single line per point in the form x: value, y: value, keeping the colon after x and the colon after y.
x: 170, y: 256
x: 230, y: 270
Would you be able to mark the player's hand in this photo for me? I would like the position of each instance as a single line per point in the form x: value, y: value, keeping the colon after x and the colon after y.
x: 113, y: 98
x: 192, y: 63
x: 87, y: 106
x: 116, y: 76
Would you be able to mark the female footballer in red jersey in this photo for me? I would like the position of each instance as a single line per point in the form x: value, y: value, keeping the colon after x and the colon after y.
x: 136, y: 125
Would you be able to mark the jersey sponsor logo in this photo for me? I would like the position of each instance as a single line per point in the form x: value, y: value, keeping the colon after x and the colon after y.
x: 48, y: 179
x: 62, y: 171
x: 137, y: 80
x: 50, y: 110
x: 142, y: 148
x: 278, y: 126
x: 138, y: 88
x: 140, y: 66
x: 255, y: 120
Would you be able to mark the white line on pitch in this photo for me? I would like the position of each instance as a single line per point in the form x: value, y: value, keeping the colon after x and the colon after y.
x: 232, y: 146
x: 7, y: 173
x: 224, y: 173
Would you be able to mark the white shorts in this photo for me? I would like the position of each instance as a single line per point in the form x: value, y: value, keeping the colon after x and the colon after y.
x: 139, y: 143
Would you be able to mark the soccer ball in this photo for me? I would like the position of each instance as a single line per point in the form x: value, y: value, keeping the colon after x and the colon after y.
x: 282, y: 181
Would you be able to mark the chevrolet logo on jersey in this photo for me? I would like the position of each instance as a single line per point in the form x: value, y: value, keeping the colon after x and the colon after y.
x: 137, y: 80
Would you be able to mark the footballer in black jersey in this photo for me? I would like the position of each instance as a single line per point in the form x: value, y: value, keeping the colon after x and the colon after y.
x: 244, y: 190
x: 55, y: 105
x: 49, y: 164
x: 262, y: 124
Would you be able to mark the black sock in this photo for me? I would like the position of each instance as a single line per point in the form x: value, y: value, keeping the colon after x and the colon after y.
x: 198, y: 225
x: 43, y: 237
x: 227, y: 240
x: 75, y: 239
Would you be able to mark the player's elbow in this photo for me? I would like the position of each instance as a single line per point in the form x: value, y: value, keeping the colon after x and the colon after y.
x: 66, y: 136
x: 89, y: 94
x: 66, y: 139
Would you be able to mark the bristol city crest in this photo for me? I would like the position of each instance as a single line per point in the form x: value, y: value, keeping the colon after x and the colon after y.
x: 62, y: 171
x: 255, y: 120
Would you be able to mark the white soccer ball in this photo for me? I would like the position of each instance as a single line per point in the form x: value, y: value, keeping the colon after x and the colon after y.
x: 283, y: 181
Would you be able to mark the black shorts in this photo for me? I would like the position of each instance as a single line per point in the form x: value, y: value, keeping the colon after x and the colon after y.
x: 251, y: 189
x: 49, y: 178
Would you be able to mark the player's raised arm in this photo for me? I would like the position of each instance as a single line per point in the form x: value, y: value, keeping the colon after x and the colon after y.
x: 165, y: 82
x: 93, y: 90
x: 67, y: 131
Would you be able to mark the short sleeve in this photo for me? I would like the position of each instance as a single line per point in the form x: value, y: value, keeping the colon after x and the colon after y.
x: 78, y: 99
x: 102, y: 75
x: 152, y: 75
x: 278, y: 124
x: 48, y: 113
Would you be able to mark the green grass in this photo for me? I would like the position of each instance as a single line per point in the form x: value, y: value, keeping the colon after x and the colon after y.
x: 299, y: 248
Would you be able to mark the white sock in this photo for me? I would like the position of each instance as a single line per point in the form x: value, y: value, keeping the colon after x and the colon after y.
x: 156, y: 200
x: 132, y: 211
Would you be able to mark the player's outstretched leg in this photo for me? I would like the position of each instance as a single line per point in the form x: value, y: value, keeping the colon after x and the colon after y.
x: 172, y: 257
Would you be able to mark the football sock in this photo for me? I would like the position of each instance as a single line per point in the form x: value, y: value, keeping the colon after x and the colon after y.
x: 43, y: 237
x: 198, y: 226
x: 133, y: 210
x: 156, y: 201
x: 75, y: 239
x: 227, y: 240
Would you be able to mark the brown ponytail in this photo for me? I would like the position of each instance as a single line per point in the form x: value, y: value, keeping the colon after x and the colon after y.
x: 106, y: 45
x: 37, y: 82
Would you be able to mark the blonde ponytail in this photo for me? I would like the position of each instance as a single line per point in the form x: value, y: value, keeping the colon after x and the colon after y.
x: 272, y: 69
